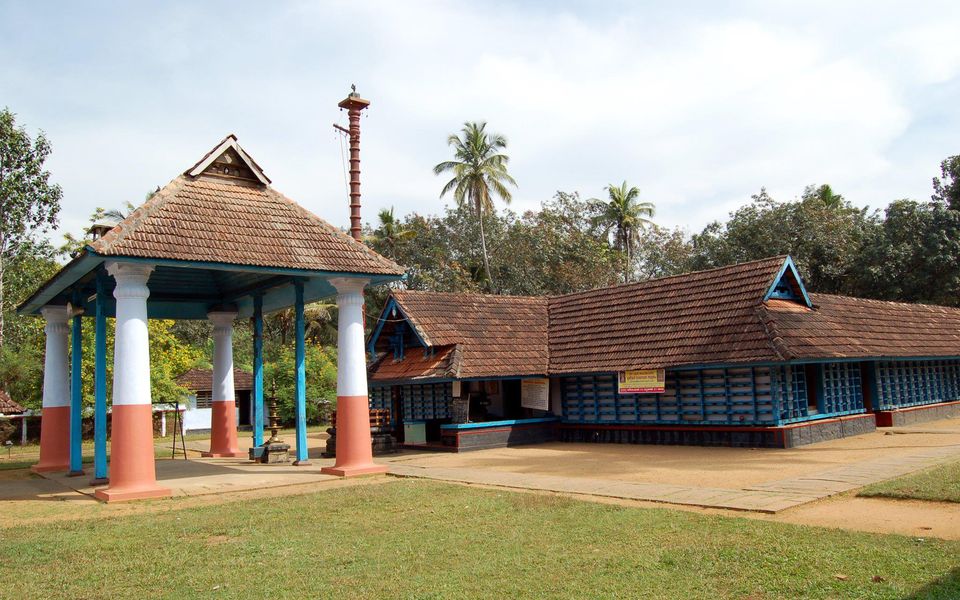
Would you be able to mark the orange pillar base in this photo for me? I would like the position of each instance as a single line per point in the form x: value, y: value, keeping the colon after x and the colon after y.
x: 354, y: 451
x: 133, y: 472
x: 54, y: 440
x: 223, y: 430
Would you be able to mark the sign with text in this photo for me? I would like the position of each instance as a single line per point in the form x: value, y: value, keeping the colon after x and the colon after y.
x: 644, y: 381
x: 535, y: 393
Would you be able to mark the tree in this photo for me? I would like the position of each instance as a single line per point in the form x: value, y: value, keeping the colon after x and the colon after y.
x: 119, y: 214
x: 390, y: 234
x: 479, y: 171
x: 824, y: 238
x: 623, y: 216
x: 913, y: 255
x: 29, y: 203
x: 825, y: 194
x: 947, y: 189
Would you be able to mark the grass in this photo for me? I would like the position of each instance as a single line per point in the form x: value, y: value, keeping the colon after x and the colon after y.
x: 940, y: 483
x: 419, y: 539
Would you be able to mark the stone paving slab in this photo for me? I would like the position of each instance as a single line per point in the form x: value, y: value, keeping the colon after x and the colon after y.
x: 768, y: 502
x: 857, y: 475
x: 770, y: 497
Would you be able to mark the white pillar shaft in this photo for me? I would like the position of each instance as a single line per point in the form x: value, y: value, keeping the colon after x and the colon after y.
x: 222, y: 355
x: 351, y: 358
x: 131, y: 353
x: 56, y: 375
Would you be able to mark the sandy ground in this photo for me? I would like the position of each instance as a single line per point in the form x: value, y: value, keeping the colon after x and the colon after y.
x: 697, y: 466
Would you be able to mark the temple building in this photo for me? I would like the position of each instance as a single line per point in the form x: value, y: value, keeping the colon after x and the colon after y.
x: 740, y: 355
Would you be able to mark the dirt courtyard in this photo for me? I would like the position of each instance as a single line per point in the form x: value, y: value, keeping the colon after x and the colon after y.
x: 695, y: 465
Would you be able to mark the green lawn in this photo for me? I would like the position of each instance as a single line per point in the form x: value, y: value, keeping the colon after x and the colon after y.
x: 941, y: 483
x: 419, y: 539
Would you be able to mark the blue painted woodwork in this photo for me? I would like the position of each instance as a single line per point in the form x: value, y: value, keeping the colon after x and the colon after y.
x: 424, y: 401
x: 384, y: 318
x: 300, y: 395
x: 100, y: 382
x: 788, y: 270
x: 76, y: 393
x: 506, y: 423
x: 257, y: 371
x: 904, y: 383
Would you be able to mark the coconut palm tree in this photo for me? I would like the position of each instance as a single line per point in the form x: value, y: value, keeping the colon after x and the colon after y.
x: 479, y: 171
x: 623, y: 216
x: 391, y: 233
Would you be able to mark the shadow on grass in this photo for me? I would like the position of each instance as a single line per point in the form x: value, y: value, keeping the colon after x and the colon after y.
x: 946, y: 587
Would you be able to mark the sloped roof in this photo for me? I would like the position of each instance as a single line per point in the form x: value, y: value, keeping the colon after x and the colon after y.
x: 417, y: 363
x: 696, y: 318
x: 220, y: 220
x: 8, y: 406
x: 845, y: 327
x: 493, y: 334
x: 709, y: 317
x: 201, y: 380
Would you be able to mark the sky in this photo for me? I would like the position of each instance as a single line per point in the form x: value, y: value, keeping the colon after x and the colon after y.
x: 699, y: 104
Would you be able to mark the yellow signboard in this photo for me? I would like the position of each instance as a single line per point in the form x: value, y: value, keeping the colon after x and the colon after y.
x: 646, y: 381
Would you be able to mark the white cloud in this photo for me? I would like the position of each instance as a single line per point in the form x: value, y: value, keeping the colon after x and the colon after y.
x: 697, y: 106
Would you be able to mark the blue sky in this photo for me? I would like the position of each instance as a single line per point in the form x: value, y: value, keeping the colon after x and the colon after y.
x: 698, y: 104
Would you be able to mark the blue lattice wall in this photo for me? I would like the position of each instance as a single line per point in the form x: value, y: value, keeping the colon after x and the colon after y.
x: 914, y: 383
x: 426, y: 401
x: 751, y: 395
x: 732, y: 396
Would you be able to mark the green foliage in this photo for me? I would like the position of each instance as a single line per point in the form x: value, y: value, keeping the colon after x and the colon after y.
x: 554, y: 250
x: 823, y: 232
x: 913, y: 255
x: 623, y: 216
x: 946, y: 188
x: 29, y: 203
x: 479, y: 171
x: 279, y: 376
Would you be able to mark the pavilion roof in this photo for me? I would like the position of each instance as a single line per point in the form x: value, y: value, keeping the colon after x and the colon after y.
x: 216, y: 234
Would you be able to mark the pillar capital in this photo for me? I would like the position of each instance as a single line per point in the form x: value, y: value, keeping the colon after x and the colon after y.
x: 131, y: 279
x: 349, y: 289
x: 56, y: 318
x: 222, y: 319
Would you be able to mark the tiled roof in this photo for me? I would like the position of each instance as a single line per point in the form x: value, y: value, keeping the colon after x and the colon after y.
x: 8, y: 406
x: 844, y: 327
x: 416, y: 364
x: 696, y: 318
x: 236, y: 220
x: 493, y: 334
x: 201, y: 380
x: 707, y: 317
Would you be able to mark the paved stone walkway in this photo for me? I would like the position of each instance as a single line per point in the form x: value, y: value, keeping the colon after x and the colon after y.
x: 769, y: 497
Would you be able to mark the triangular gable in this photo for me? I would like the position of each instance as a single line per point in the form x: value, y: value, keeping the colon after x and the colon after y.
x: 787, y: 285
x: 401, y: 329
x: 228, y: 159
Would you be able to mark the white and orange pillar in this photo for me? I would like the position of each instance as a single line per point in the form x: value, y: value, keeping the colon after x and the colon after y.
x: 133, y: 473
x: 223, y: 421
x: 354, y: 451
x: 55, y: 419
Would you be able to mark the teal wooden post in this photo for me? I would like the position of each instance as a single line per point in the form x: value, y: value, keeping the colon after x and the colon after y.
x: 76, y: 392
x: 301, y: 387
x: 100, y: 385
x: 257, y: 370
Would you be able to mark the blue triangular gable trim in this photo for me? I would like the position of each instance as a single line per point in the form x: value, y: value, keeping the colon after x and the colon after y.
x: 391, y: 304
x: 788, y: 265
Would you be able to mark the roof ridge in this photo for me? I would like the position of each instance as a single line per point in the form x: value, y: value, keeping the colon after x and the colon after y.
x: 472, y: 294
x: 893, y: 302
x: 779, y: 258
